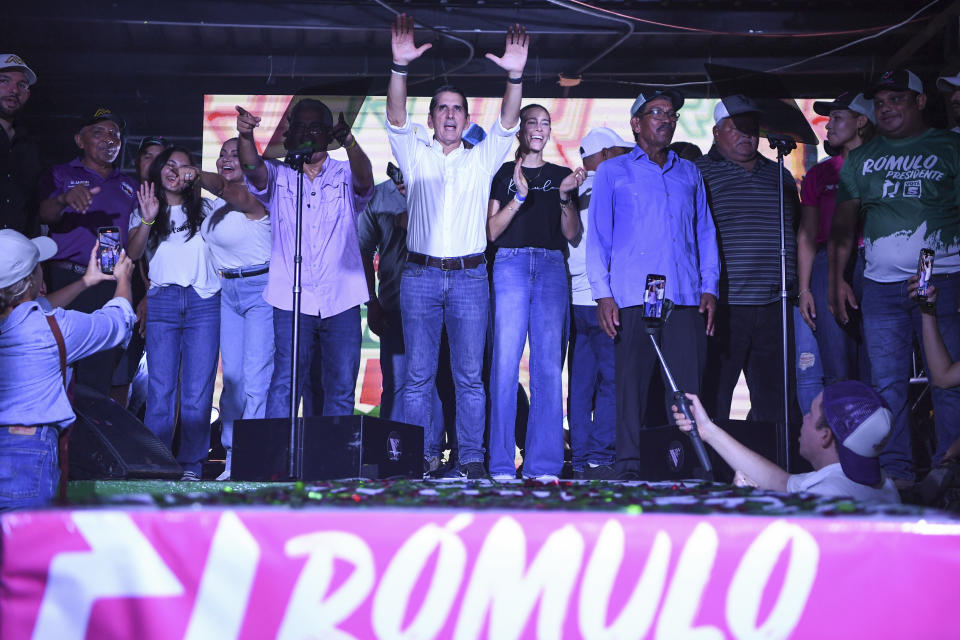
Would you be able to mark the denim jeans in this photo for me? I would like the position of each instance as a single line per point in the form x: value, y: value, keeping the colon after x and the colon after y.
x: 393, y: 367
x: 335, y: 341
x: 246, y: 352
x: 29, y: 469
x: 530, y: 297
x: 431, y: 299
x: 842, y: 352
x: 183, y: 340
x: 809, y: 362
x: 592, y: 400
x: 891, y: 322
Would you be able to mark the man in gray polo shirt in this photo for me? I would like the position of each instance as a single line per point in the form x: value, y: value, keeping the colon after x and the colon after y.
x: 743, y: 190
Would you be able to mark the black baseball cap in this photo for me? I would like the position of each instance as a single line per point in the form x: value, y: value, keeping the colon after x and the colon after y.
x: 150, y: 141
x: 103, y: 113
x: 647, y: 96
x: 895, y: 80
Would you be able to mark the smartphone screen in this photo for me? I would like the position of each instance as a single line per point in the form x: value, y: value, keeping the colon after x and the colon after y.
x: 924, y: 271
x: 653, y: 296
x: 109, y: 251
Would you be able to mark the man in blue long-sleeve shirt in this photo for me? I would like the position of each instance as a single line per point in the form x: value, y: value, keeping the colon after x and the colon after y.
x: 649, y: 215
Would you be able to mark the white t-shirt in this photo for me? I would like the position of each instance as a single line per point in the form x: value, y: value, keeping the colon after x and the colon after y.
x: 577, y: 259
x: 178, y: 259
x: 831, y: 481
x: 236, y: 241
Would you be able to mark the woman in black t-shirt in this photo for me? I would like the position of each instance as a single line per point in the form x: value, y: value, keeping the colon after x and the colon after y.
x: 532, y: 215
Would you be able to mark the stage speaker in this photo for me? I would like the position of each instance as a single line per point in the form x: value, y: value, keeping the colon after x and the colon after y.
x: 107, y: 442
x: 342, y: 447
x: 666, y: 452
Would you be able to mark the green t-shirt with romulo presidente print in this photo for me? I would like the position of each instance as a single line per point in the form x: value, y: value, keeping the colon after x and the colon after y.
x: 909, y: 191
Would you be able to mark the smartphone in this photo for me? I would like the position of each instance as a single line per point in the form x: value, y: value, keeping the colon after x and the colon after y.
x: 109, y: 251
x: 653, y: 295
x: 394, y: 173
x: 924, y: 271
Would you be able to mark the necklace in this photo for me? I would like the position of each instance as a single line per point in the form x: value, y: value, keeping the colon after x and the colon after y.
x: 530, y: 181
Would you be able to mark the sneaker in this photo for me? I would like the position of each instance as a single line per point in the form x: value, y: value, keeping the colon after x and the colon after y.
x: 503, y: 477
x: 223, y: 477
x: 190, y: 476
x: 628, y: 476
x: 473, y: 471
x: 546, y: 478
x: 599, y: 472
x: 430, y: 465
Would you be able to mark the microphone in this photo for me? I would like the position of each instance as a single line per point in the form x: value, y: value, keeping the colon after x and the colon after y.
x: 300, y: 154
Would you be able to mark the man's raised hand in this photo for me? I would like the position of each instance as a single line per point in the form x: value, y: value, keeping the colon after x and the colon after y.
x: 404, y: 49
x: 514, y: 57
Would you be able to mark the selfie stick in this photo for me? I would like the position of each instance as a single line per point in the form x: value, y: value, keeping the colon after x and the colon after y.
x: 683, y: 403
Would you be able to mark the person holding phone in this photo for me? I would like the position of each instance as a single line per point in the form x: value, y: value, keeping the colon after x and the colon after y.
x: 183, y: 312
x: 34, y: 407
x: 649, y: 215
x: 532, y: 216
x: 905, y: 186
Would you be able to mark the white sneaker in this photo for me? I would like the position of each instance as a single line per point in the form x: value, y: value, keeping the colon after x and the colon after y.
x: 501, y: 477
x: 547, y: 478
x: 223, y: 477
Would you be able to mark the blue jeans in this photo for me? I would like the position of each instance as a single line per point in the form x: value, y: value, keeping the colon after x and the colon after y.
x: 809, y: 363
x: 842, y: 352
x: 393, y: 367
x: 891, y: 322
x: 336, y: 341
x: 530, y: 296
x: 246, y: 352
x: 29, y: 469
x: 183, y: 339
x: 592, y: 400
x: 431, y: 299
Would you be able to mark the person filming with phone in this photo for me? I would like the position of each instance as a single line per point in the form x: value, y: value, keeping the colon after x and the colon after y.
x: 905, y: 186
x: 36, y: 345
x: 649, y: 215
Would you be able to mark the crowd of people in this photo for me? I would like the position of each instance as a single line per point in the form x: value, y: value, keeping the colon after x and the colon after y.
x: 478, y: 255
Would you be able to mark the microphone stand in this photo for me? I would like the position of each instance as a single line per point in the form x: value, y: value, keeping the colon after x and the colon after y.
x: 296, y: 159
x: 784, y: 146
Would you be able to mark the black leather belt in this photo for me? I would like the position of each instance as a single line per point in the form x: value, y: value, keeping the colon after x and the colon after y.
x: 244, y: 272
x: 447, y: 264
x: 69, y: 266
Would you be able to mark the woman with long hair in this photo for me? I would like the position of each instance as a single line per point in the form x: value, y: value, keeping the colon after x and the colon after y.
x: 532, y: 215
x: 183, y: 312
x: 836, y: 351
x: 238, y: 238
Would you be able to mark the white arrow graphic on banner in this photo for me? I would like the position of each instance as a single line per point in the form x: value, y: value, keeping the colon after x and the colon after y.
x: 121, y: 563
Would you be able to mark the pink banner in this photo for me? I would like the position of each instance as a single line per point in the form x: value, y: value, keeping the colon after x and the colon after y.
x: 264, y: 573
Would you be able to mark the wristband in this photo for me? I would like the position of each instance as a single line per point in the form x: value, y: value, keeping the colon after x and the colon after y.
x: 149, y: 224
x: 515, y: 80
x: 400, y: 69
x: 352, y: 144
x: 804, y: 291
x: 519, y: 198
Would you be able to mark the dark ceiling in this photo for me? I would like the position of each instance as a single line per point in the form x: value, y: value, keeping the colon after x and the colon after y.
x: 153, y: 61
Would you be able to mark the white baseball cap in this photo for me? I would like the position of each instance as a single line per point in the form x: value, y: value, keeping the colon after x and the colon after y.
x: 19, y: 255
x: 13, y: 61
x: 600, y: 138
x: 734, y: 106
x: 948, y: 84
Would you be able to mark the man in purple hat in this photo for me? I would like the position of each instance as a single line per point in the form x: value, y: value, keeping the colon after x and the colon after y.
x: 20, y: 165
x: 841, y: 437
x: 905, y: 186
x: 79, y: 197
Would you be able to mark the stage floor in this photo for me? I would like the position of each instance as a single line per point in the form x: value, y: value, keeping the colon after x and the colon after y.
x: 442, y: 559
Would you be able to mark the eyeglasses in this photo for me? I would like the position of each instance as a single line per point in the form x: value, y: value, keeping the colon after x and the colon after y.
x: 661, y: 114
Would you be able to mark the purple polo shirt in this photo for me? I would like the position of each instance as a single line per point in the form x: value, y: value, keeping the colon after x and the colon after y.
x: 76, y: 233
x: 332, y: 276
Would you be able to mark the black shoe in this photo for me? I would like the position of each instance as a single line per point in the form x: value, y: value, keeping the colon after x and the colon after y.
x: 628, y: 476
x: 430, y: 465
x: 473, y: 471
x: 600, y: 472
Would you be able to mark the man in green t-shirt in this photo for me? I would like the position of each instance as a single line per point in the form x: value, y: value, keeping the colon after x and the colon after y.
x: 905, y: 186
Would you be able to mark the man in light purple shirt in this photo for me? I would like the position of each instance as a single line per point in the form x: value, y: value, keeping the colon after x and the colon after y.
x: 77, y: 198
x: 333, y: 282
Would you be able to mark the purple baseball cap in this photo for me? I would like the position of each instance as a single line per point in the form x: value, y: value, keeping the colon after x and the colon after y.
x: 860, y: 420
